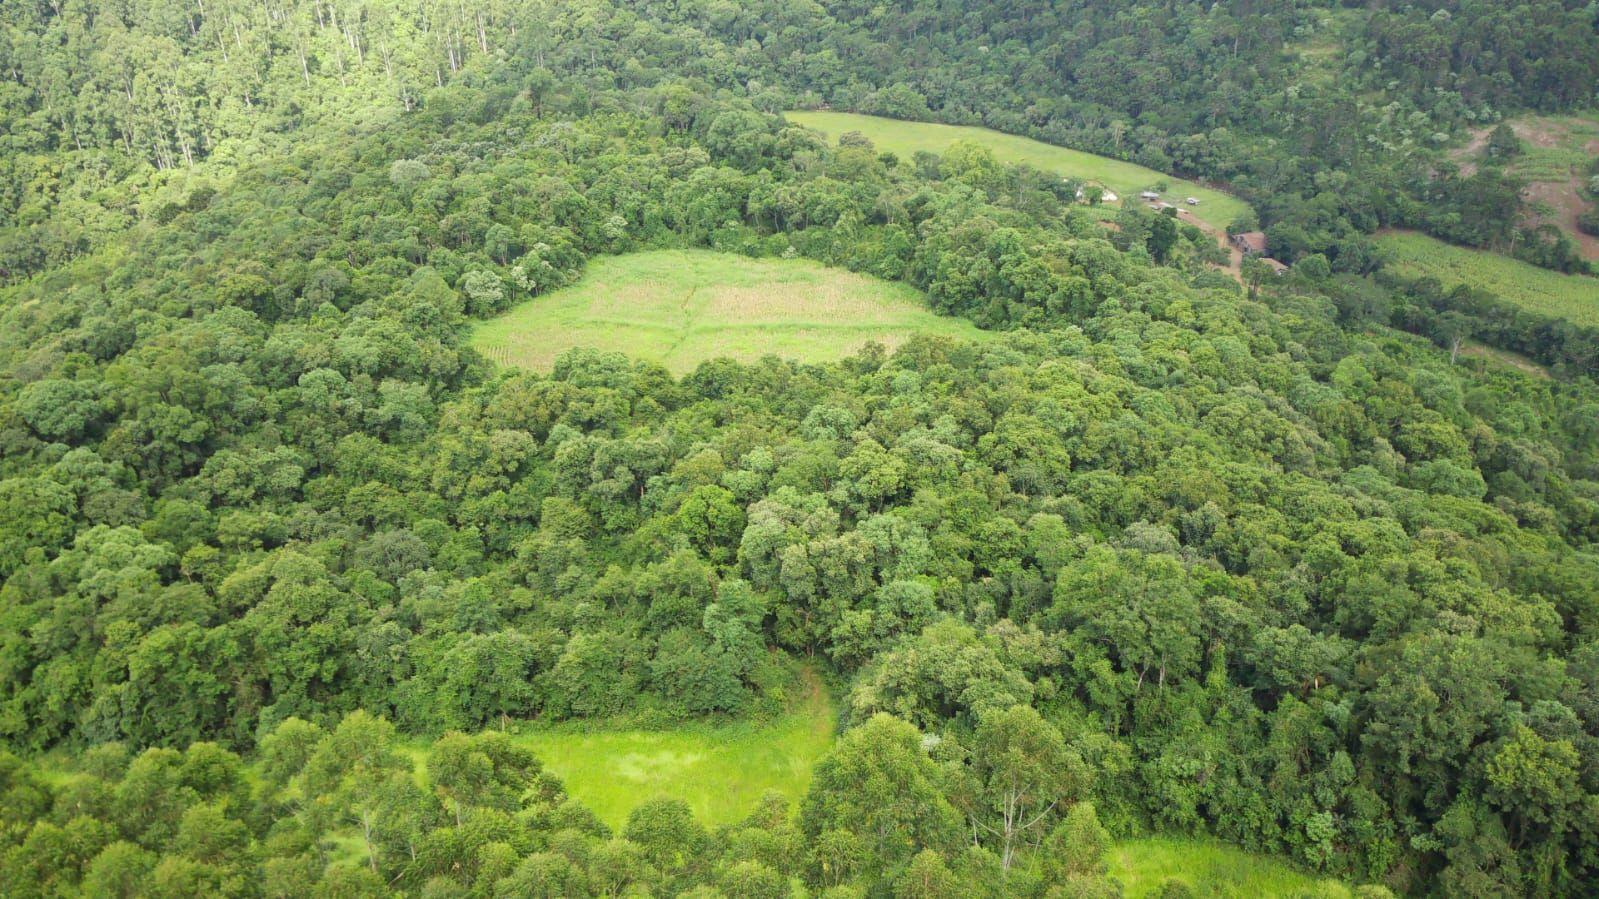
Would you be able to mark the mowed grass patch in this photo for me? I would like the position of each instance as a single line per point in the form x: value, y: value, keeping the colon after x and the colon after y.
x: 1127, y: 179
x: 1540, y: 290
x: 682, y: 307
x: 1212, y: 869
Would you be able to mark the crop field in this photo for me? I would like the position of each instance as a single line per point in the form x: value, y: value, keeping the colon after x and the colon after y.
x: 682, y: 307
x: 1556, y: 146
x: 1212, y: 869
x: 1125, y: 178
x: 1557, y: 151
x: 1573, y: 297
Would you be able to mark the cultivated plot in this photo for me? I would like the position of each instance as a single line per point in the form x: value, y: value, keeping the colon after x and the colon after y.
x: 1540, y: 290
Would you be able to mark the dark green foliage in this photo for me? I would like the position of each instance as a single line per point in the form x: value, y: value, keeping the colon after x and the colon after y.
x: 879, y: 795
x: 1165, y: 555
x: 1503, y: 143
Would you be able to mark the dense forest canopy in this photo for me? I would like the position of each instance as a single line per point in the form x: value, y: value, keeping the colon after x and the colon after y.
x: 1269, y: 561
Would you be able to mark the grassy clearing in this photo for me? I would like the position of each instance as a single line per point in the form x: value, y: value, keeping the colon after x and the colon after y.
x: 1212, y: 869
x: 721, y: 772
x: 1553, y: 147
x: 1321, y: 55
x: 1216, y: 208
x: 682, y: 307
x: 1573, y: 297
x: 1557, y: 153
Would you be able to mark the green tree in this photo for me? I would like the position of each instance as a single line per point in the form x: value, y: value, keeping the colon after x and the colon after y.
x: 1020, y: 773
x: 880, y: 787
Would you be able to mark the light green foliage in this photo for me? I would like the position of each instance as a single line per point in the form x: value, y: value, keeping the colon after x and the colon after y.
x: 946, y: 669
x: 1021, y: 774
x: 906, y: 138
x: 1211, y: 869
x: 880, y: 794
x: 679, y: 308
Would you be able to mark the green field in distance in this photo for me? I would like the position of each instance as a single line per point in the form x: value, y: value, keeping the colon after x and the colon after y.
x: 1127, y: 179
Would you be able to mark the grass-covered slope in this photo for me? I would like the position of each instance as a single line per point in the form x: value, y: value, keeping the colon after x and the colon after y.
x: 1573, y: 297
x: 682, y: 307
x: 1125, y: 178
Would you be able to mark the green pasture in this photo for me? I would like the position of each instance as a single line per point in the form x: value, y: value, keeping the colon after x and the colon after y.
x: 1127, y: 179
x: 682, y: 307
x: 720, y: 771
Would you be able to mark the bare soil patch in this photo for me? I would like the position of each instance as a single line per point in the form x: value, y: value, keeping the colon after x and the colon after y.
x: 1566, y: 204
x: 1556, y: 150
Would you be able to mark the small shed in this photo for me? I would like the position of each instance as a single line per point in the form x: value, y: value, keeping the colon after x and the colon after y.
x: 1277, y: 268
x: 1192, y: 201
x: 1149, y: 195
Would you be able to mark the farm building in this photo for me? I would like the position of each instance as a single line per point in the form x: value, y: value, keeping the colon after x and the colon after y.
x: 1251, y: 243
x: 1192, y: 201
x: 1149, y: 195
x: 1106, y: 195
x: 1277, y: 268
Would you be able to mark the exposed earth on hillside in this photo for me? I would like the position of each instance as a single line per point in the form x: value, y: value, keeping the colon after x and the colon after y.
x: 1561, y: 196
